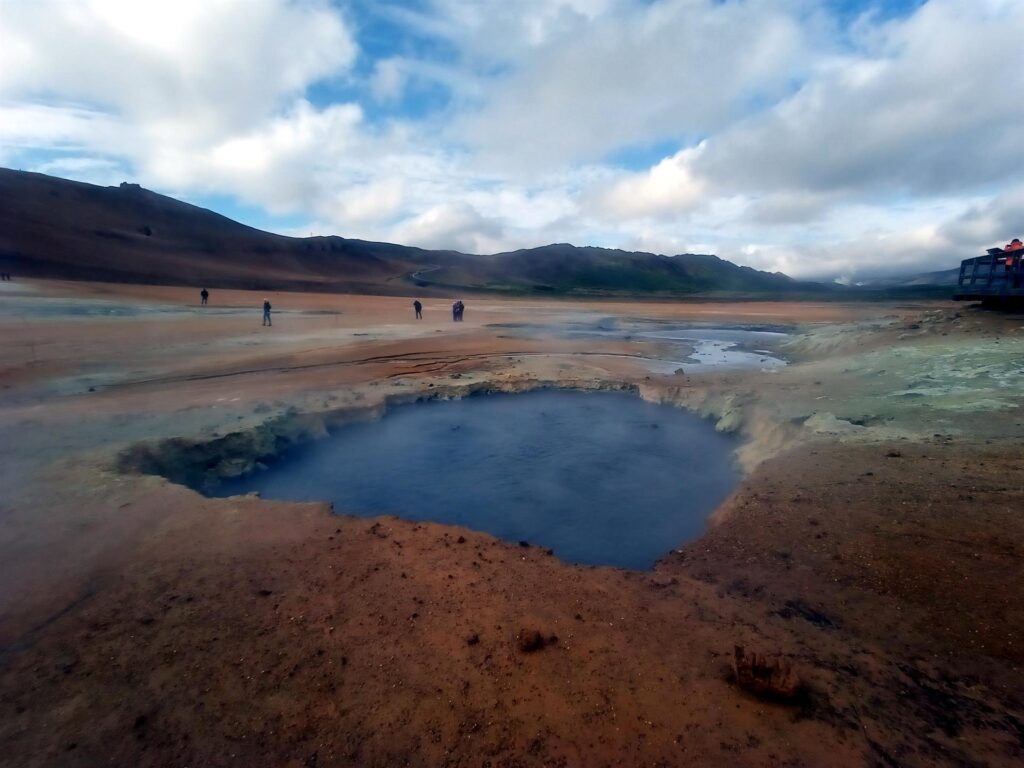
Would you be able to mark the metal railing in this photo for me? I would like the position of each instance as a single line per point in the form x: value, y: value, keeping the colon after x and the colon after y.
x: 989, y: 275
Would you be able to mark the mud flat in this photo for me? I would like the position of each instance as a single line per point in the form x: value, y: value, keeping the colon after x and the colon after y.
x: 873, y: 547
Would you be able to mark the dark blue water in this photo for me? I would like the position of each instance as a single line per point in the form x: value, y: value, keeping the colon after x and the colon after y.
x: 601, y: 478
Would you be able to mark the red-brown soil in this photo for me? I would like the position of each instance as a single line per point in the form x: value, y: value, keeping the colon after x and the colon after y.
x: 143, y: 624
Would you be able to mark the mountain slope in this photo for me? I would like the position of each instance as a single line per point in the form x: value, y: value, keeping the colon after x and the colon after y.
x: 944, y: 277
x: 566, y: 268
x: 51, y: 227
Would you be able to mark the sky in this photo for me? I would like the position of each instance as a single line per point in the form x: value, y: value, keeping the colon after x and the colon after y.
x: 835, y: 139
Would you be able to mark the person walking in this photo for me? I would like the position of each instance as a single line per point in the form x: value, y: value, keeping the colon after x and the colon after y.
x: 204, y: 295
x: 419, y: 309
x: 455, y: 312
x: 266, y: 312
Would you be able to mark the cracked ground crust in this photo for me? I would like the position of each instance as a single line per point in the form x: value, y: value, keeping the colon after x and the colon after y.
x: 143, y: 624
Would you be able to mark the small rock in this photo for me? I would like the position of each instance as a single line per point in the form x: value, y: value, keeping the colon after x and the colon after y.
x: 473, y: 639
x: 530, y: 640
x: 764, y: 676
x: 663, y: 582
x: 460, y: 540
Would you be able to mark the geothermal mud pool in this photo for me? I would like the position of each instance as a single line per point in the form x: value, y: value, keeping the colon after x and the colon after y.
x: 600, y: 478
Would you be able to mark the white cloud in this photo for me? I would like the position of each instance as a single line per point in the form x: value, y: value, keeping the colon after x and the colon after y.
x: 389, y: 79
x: 453, y: 226
x: 669, y: 188
x: 636, y: 74
x: 930, y: 108
x: 39, y: 126
x: 377, y: 202
x: 798, y: 146
x: 184, y: 71
x: 274, y: 166
x: 990, y: 223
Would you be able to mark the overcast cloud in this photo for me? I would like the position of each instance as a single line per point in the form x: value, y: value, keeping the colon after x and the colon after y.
x: 840, y: 138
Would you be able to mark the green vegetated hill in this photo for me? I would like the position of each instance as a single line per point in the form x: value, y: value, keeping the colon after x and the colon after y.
x: 565, y: 268
x: 56, y: 228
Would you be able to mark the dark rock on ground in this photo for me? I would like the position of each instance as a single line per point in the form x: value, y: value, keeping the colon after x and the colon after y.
x: 765, y: 676
x: 530, y: 640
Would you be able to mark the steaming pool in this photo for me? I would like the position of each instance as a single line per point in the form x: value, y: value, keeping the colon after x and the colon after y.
x: 601, y: 478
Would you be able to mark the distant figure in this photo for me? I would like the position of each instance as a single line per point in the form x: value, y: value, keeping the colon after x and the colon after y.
x: 455, y: 312
x: 460, y: 308
x: 204, y: 295
x: 419, y: 309
x: 266, y: 312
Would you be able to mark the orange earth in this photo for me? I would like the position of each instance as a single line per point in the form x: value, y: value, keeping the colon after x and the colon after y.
x: 875, y: 545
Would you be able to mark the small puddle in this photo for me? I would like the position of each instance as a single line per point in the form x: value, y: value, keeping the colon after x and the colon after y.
x: 723, y: 347
x: 692, y: 348
x: 601, y: 478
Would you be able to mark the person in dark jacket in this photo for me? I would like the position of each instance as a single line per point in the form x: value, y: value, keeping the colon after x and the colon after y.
x: 266, y: 312
x: 204, y: 295
x: 419, y: 309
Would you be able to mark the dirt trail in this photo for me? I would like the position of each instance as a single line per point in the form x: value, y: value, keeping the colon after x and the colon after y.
x: 875, y: 544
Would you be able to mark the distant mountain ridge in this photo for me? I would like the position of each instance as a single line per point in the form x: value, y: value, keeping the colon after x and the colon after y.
x: 57, y: 228
x: 940, y: 278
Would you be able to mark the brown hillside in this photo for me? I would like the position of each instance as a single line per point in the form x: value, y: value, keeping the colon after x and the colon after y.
x: 52, y: 227
x: 56, y: 228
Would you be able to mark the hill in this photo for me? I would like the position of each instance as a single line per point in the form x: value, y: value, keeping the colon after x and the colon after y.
x: 56, y: 228
x: 945, y: 278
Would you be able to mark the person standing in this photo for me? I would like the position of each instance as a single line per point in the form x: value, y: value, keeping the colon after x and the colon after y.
x: 266, y: 312
x: 204, y: 295
x: 419, y: 309
x: 455, y: 312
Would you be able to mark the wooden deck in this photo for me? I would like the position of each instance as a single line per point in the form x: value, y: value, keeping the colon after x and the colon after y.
x: 988, y: 277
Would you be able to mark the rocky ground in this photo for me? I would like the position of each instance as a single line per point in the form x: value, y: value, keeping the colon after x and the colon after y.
x: 874, y: 548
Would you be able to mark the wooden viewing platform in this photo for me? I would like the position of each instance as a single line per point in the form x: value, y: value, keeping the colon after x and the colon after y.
x: 998, y: 276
